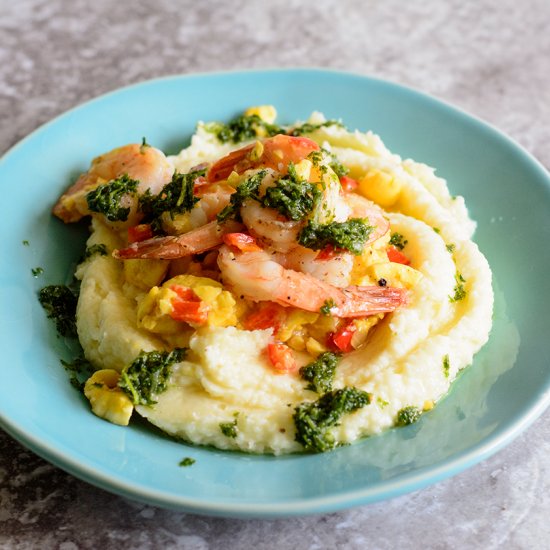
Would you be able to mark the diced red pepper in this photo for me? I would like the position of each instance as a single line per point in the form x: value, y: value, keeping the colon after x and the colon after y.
x: 348, y: 184
x: 268, y: 315
x: 341, y: 339
x: 242, y: 241
x: 185, y: 292
x: 395, y: 255
x: 139, y: 233
x: 187, y: 307
x: 281, y: 357
x: 189, y: 312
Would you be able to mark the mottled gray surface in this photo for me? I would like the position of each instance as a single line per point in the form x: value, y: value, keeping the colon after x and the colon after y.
x: 491, y: 58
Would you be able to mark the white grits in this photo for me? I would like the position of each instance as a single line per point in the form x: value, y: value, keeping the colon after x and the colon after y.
x: 227, y: 376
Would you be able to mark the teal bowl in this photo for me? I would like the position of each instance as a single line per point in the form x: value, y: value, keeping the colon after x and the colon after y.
x: 507, y: 387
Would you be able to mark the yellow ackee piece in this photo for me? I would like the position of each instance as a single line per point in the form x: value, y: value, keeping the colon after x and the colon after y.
x: 363, y: 327
x: 178, y: 224
x: 234, y: 179
x: 428, y: 405
x: 145, y: 273
x: 297, y: 342
x: 153, y: 312
x: 361, y: 274
x: 267, y: 113
x: 314, y: 347
x: 380, y: 187
x: 303, y: 169
x: 295, y: 321
x: 108, y: 401
x: 373, y: 254
x: 257, y: 152
x: 155, y: 308
x: 363, y: 279
x: 322, y: 327
x: 398, y: 275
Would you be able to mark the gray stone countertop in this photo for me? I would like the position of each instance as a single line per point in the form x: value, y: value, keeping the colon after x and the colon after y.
x: 491, y: 58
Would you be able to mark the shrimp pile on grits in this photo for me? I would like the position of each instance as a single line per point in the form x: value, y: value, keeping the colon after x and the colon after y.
x: 274, y: 289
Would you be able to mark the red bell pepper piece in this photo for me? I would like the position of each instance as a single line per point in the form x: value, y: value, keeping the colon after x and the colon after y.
x: 281, y: 357
x: 348, y: 184
x: 139, y: 233
x: 268, y: 315
x: 242, y: 241
x: 187, y: 307
x: 341, y: 339
x: 395, y: 255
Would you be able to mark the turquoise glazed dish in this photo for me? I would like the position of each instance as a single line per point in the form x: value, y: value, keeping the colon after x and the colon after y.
x: 507, y: 387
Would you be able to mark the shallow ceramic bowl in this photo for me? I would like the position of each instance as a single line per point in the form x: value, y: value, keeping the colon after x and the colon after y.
x: 506, y: 388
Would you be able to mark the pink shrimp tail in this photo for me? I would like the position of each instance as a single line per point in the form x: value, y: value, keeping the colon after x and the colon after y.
x: 306, y: 292
x: 361, y: 301
x: 172, y: 247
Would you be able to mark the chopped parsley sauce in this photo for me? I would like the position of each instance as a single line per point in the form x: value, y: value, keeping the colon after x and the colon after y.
x: 79, y: 369
x: 408, y: 415
x: 459, y: 290
x: 313, y: 420
x: 106, y: 199
x: 229, y: 429
x: 446, y: 366
x: 99, y: 249
x: 350, y: 235
x: 247, y: 189
x: 244, y: 128
x: 176, y: 197
x: 398, y: 241
x: 320, y: 373
x: 292, y: 196
x: 327, y: 306
x: 59, y: 301
x: 147, y: 376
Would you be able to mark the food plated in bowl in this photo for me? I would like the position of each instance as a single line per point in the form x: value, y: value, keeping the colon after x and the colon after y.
x: 490, y: 403
x: 273, y: 289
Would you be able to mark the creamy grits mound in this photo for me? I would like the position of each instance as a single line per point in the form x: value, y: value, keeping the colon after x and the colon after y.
x: 227, y: 390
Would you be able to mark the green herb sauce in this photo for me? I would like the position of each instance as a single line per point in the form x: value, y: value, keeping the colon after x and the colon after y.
x: 59, y: 301
x: 320, y: 373
x: 147, y: 376
x: 313, y: 420
x: 106, y: 199
x: 349, y: 235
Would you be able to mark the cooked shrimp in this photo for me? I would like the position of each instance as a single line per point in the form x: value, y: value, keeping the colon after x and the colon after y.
x: 257, y: 276
x: 270, y: 227
x: 213, y: 198
x: 362, y: 301
x: 190, y: 233
x: 281, y: 234
x: 143, y: 163
x: 334, y: 269
x: 195, y: 241
x: 363, y: 208
x: 276, y: 153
